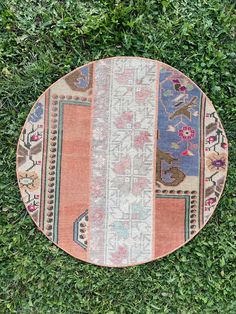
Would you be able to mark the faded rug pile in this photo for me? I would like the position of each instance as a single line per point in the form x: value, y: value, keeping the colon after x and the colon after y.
x: 122, y: 161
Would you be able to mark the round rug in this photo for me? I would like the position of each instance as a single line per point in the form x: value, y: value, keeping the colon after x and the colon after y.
x: 122, y: 161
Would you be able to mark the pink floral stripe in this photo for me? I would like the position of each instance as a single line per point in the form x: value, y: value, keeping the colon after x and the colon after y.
x: 121, y: 211
x: 100, y: 124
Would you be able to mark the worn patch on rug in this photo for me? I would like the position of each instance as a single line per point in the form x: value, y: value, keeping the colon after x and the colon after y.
x: 122, y: 161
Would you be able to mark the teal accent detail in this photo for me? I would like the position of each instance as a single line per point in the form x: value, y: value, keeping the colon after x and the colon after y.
x: 58, y: 161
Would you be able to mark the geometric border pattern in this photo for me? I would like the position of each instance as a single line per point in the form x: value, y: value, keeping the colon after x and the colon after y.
x: 81, y: 230
x: 54, y: 148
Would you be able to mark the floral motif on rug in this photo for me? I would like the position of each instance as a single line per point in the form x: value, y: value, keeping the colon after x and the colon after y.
x: 122, y: 161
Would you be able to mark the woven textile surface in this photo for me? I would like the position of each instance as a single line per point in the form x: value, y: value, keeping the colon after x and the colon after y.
x: 122, y: 161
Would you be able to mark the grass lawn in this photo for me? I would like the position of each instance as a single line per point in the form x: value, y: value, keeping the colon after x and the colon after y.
x: 40, y: 41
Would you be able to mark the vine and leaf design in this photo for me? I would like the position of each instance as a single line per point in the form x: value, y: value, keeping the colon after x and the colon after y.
x: 28, y: 157
x: 178, y: 109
